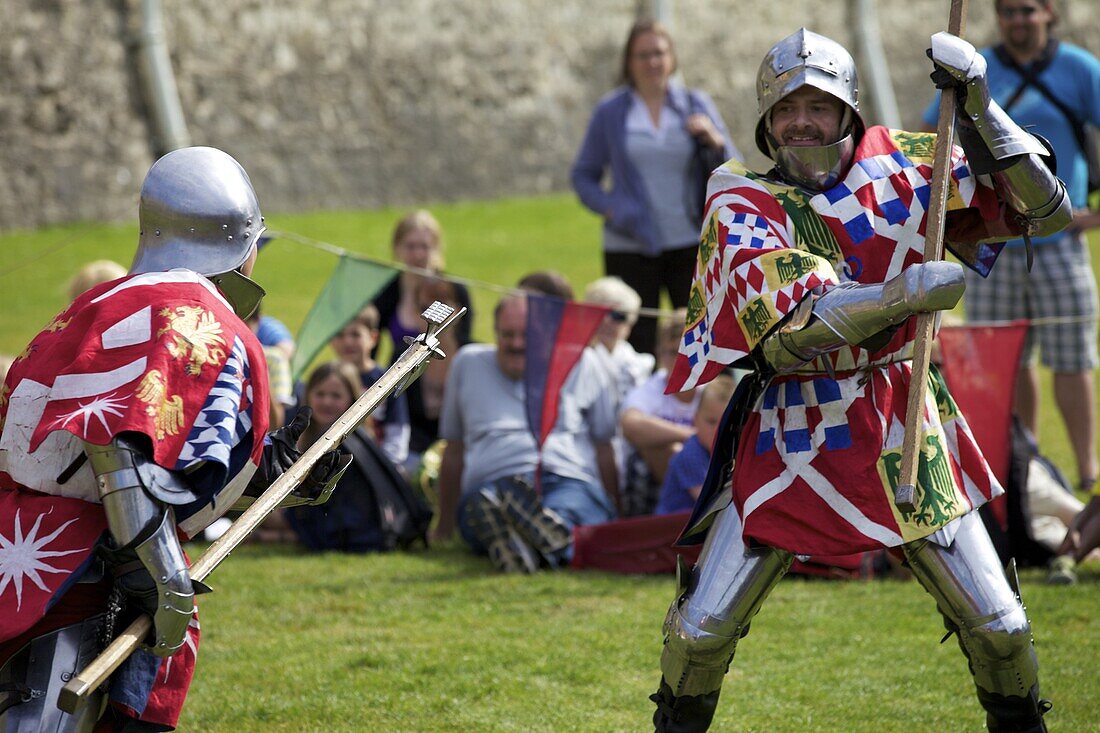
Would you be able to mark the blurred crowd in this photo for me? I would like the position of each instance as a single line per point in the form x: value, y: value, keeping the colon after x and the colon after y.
x: 458, y: 442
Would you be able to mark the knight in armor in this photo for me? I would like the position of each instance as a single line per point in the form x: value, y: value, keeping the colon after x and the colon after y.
x: 809, y: 274
x: 131, y: 422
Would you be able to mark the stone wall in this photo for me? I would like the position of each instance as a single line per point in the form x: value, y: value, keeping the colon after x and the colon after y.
x: 360, y: 103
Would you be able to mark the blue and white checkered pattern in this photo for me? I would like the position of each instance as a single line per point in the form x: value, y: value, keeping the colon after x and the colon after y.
x: 696, y: 343
x: 877, y: 170
x: 785, y: 410
x: 221, y: 424
x: 748, y: 230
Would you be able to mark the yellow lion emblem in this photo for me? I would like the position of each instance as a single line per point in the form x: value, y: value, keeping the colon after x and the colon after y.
x: 196, y: 336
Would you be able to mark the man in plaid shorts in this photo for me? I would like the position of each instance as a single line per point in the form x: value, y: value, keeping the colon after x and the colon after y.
x: 1048, y: 87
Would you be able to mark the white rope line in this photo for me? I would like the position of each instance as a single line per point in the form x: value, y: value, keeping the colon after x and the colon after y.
x: 467, y: 281
x: 1049, y: 321
x: 649, y: 312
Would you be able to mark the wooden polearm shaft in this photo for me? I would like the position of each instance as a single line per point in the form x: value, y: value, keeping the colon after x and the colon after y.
x: 407, y: 368
x: 905, y: 495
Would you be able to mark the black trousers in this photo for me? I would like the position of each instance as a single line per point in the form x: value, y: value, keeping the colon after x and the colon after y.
x: 671, y: 271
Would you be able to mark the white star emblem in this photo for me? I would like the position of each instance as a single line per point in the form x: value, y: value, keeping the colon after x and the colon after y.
x: 100, y: 407
x: 22, y: 557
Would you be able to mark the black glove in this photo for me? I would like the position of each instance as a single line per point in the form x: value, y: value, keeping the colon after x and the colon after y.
x: 282, y: 452
x: 944, y: 79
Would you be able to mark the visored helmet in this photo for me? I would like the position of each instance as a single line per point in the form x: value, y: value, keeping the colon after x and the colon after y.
x: 198, y: 211
x: 805, y: 58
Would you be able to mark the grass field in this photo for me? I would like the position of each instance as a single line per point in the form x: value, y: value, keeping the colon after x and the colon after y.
x: 434, y: 642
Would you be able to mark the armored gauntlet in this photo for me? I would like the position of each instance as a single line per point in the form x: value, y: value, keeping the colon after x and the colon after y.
x: 280, y: 453
x: 855, y: 314
x: 1021, y: 164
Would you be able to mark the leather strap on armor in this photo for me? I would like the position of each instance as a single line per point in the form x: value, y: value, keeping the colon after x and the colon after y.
x: 140, y: 520
x: 855, y: 314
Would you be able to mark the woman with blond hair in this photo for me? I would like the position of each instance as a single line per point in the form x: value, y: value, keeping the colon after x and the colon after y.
x: 417, y: 243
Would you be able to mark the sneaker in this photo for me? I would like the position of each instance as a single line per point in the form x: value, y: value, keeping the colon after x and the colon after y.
x: 1062, y: 571
x: 543, y: 528
x: 508, y: 552
x: 511, y: 554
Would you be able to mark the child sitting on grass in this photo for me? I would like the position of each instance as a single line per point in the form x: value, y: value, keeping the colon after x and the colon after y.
x: 688, y: 468
x: 389, y: 424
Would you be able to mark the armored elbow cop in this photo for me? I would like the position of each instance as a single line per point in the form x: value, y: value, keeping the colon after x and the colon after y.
x: 137, y: 496
x: 855, y: 314
x: 1022, y: 165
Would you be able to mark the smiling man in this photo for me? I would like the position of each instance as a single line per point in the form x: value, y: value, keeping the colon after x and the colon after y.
x: 487, y: 482
x: 809, y: 275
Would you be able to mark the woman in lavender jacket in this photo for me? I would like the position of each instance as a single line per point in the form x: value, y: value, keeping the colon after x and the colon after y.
x: 660, y: 141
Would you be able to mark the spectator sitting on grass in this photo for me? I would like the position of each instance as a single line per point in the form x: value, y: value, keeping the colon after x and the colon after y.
x: 389, y: 424
x: 688, y: 468
x: 92, y: 274
x: 425, y: 395
x: 547, y: 282
x: 655, y: 425
x: 487, y: 474
x: 371, y: 508
x: 626, y: 366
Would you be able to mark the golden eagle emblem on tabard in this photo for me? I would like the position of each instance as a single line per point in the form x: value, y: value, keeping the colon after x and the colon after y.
x: 918, y: 146
x: 167, y: 412
x: 195, y: 336
x: 57, y: 324
x: 811, y: 234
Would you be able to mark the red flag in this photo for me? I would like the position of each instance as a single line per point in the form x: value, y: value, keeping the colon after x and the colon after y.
x: 980, y: 364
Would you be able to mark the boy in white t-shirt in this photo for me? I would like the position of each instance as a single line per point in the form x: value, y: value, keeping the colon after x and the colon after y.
x: 655, y: 425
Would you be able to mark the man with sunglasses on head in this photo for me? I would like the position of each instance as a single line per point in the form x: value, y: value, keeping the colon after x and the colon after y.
x: 1051, y: 88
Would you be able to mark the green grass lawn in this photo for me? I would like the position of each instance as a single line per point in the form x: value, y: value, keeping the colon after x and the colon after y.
x: 435, y: 642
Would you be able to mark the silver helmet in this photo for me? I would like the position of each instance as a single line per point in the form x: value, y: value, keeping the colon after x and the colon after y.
x: 198, y: 211
x: 805, y: 58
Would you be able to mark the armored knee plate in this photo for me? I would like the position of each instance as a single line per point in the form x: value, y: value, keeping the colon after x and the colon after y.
x: 1002, y: 656
x: 32, y: 678
x: 975, y: 597
x: 724, y: 592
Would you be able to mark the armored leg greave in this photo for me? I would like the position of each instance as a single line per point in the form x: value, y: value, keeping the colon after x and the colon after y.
x: 32, y: 678
x: 978, y: 603
x: 708, y: 618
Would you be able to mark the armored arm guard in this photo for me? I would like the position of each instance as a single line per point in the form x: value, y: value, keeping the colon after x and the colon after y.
x: 854, y: 314
x: 1020, y: 163
x: 133, y: 490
